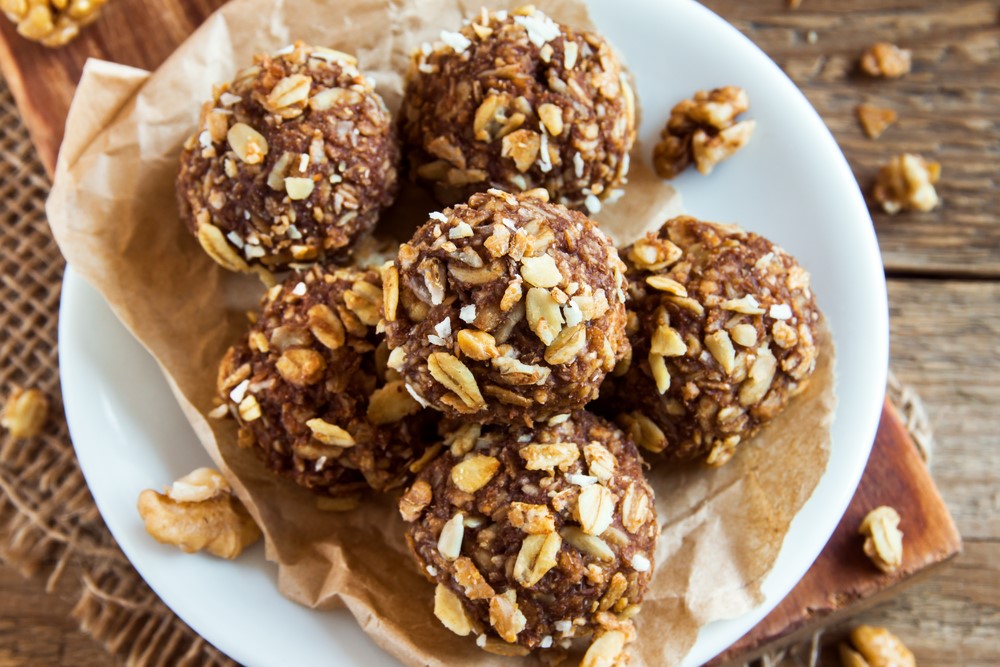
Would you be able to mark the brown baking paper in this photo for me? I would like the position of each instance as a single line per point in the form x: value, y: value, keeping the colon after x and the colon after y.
x: 112, y: 210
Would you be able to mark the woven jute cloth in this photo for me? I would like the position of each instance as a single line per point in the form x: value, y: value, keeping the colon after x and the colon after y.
x: 48, y: 520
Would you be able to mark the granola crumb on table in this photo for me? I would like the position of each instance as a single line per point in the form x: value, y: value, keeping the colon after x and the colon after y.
x: 703, y: 131
x: 51, y: 22
x: 875, y: 120
x: 516, y: 101
x: 535, y: 537
x: 906, y: 183
x: 291, y: 163
x: 723, y: 327
x: 311, y: 391
x: 885, y: 60
x: 506, y: 309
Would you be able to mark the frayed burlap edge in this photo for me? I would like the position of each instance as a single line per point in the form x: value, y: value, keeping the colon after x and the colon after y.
x: 48, y: 520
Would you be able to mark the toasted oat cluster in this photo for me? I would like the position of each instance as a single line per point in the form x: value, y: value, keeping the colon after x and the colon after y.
x: 506, y: 309
x: 535, y: 536
x: 723, y: 328
x: 517, y: 101
x: 906, y: 183
x: 703, y: 130
x: 291, y: 163
x: 51, y: 22
x: 311, y: 391
x: 885, y: 60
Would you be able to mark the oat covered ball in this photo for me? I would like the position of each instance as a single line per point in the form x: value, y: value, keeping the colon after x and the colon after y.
x: 311, y: 391
x: 291, y: 163
x: 506, y: 309
x: 723, y: 328
x: 534, y: 536
x: 517, y: 101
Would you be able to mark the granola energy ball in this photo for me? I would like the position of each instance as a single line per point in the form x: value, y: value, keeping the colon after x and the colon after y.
x: 311, y: 392
x: 517, y: 101
x: 723, y: 328
x: 291, y: 162
x: 534, y: 536
x: 507, y: 308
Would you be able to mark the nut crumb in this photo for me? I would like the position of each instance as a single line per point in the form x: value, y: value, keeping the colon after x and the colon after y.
x: 885, y: 60
x: 880, y: 648
x: 25, y: 413
x: 52, y: 22
x: 199, y: 512
x: 875, y: 120
x: 906, y: 183
x: 883, y: 539
x: 703, y: 131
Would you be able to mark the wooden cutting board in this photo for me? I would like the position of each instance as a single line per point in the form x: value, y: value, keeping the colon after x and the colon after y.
x: 840, y: 583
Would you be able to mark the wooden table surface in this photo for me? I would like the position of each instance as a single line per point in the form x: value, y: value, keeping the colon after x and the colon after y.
x: 943, y: 271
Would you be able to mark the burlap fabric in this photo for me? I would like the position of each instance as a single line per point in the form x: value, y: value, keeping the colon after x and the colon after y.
x: 48, y: 519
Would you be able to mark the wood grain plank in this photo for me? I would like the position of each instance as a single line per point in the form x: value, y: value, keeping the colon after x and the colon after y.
x: 131, y: 32
x: 949, y: 109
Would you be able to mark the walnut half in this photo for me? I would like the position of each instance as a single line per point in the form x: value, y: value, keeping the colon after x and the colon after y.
x: 197, y: 512
x: 703, y: 130
x: 906, y: 183
x: 883, y: 539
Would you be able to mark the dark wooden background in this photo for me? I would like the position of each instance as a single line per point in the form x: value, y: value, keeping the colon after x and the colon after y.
x: 943, y: 269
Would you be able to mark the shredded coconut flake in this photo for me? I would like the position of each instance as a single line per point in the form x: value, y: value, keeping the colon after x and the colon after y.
x: 431, y: 570
x: 235, y: 239
x: 468, y: 313
x: 580, y: 480
x: 228, y: 99
x: 437, y: 215
x: 460, y: 231
x: 558, y: 419
x: 578, y: 165
x: 299, y: 289
x: 546, y: 642
x: 253, y: 251
x: 455, y: 40
x: 303, y: 161
x: 284, y: 51
x: 417, y: 397
x: 540, y: 27
x: 780, y: 311
x: 436, y: 340
x: 563, y: 626
x: 481, y: 641
x: 320, y: 462
x: 443, y: 328
x: 293, y: 232
x: 572, y: 313
x: 239, y: 392
x: 544, y: 159
x: 205, y: 139
x: 592, y: 203
x: 640, y: 563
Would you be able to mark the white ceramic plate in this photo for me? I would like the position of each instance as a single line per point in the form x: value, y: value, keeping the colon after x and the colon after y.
x: 791, y: 184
